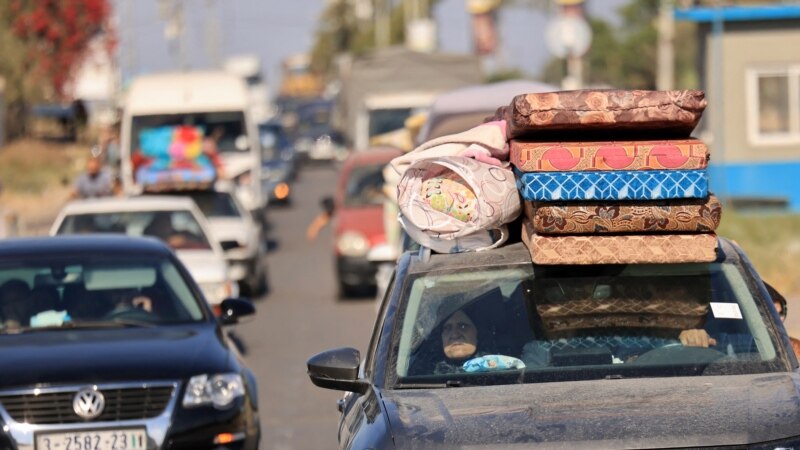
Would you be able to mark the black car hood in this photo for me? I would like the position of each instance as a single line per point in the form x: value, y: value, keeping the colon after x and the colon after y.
x: 651, y: 413
x: 108, y: 355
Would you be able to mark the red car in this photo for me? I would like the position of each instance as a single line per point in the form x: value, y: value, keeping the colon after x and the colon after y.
x: 358, y: 218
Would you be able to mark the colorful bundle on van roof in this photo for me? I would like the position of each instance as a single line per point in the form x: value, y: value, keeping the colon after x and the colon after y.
x: 174, y: 158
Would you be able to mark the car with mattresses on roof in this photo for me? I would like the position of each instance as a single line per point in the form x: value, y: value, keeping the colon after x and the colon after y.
x: 107, y: 343
x: 559, y: 355
x: 620, y: 321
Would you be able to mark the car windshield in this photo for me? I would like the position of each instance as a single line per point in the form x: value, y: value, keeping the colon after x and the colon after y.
x: 216, y: 204
x: 560, y: 323
x: 179, y: 229
x: 273, y: 141
x: 93, y: 291
x: 365, y: 186
x: 226, y: 128
x: 386, y: 120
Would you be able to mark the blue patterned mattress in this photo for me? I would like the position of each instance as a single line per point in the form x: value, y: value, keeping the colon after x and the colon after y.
x: 613, y: 185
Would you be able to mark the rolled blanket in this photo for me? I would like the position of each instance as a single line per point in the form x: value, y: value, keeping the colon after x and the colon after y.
x: 684, y: 154
x: 486, y: 143
x: 446, y: 199
x: 619, y: 249
x: 671, y: 216
x: 606, y: 113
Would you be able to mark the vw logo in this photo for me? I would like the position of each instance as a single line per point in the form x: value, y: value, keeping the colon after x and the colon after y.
x: 88, y: 403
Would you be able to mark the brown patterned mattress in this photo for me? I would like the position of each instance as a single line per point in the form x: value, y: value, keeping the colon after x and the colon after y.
x: 672, y: 321
x: 628, y: 155
x: 661, y: 216
x: 619, y: 249
x: 621, y: 302
x: 621, y: 112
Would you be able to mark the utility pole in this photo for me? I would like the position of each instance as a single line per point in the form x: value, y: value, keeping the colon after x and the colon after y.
x: 213, y: 35
x: 383, y: 23
x: 665, y: 78
x: 172, y: 12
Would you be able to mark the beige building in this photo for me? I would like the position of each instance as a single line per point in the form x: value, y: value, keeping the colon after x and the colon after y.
x: 750, y: 67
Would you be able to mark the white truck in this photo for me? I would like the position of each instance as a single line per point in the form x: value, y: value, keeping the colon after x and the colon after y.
x: 382, y: 89
x: 248, y: 67
x: 213, y: 101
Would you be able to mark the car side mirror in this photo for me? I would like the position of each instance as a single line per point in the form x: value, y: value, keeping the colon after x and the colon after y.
x: 337, y: 369
x: 778, y: 299
x: 233, y: 309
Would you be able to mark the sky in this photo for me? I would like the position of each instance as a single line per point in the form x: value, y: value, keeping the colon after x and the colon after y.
x: 274, y: 29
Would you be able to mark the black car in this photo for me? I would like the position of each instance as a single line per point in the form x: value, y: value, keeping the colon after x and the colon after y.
x: 107, y: 343
x: 487, y: 350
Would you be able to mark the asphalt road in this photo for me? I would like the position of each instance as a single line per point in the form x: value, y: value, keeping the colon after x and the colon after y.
x: 300, y: 316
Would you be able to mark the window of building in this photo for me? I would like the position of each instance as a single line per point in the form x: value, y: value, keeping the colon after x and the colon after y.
x: 774, y: 105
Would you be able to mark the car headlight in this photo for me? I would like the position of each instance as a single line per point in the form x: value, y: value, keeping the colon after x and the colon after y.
x: 217, y: 390
x: 352, y: 243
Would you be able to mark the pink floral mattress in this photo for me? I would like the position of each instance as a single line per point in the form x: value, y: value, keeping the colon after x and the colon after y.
x: 530, y: 156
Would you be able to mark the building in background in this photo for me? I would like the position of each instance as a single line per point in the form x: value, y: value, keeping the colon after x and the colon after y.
x: 750, y: 69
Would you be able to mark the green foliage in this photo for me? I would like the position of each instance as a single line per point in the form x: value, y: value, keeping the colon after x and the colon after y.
x: 772, y: 244
x: 508, y: 74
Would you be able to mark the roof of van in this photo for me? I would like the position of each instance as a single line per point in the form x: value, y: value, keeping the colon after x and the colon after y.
x: 178, y: 92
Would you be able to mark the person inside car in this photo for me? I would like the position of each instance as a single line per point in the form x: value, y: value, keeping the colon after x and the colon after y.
x: 161, y: 227
x: 13, y: 302
x: 459, y: 343
x: 701, y: 338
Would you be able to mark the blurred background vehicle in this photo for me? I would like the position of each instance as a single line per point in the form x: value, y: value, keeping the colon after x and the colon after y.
x: 358, y: 217
x: 175, y: 220
x: 122, y: 316
x: 240, y: 237
x: 279, y: 162
x: 218, y: 103
x: 461, y: 109
x: 314, y: 135
x: 383, y: 88
x: 248, y: 67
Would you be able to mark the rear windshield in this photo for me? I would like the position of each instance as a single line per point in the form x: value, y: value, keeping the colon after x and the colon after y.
x: 554, y: 323
x: 179, y: 229
x: 216, y: 204
x: 224, y: 127
x: 365, y: 186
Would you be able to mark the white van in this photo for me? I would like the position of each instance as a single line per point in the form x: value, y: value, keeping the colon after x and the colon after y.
x: 214, y: 101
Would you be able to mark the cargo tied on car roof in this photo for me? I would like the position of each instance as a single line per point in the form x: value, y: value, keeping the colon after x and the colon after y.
x: 619, y: 276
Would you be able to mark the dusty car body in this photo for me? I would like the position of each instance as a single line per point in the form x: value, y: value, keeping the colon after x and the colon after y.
x: 643, y: 391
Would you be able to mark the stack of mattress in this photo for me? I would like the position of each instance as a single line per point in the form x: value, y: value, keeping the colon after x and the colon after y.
x: 612, y: 177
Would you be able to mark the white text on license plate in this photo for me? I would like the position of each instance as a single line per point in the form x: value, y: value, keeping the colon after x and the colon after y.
x: 127, y: 439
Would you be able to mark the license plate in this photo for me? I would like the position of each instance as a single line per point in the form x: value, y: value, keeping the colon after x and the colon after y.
x: 126, y: 439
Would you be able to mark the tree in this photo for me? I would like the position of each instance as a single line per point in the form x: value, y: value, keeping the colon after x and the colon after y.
x: 55, y: 34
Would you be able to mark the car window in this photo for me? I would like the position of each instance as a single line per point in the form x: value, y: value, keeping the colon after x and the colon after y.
x: 226, y: 127
x: 216, y: 204
x: 558, y: 323
x: 365, y: 186
x: 46, y: 292
x: 179, y: 229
